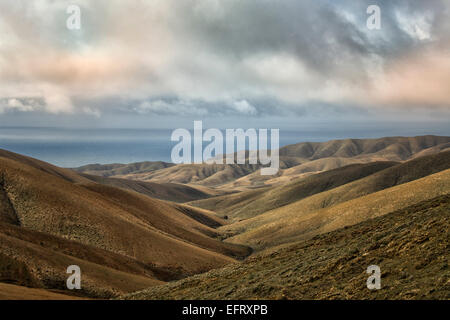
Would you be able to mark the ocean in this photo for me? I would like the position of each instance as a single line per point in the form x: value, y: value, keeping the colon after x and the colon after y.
x: 69, y: 147
x: 76, y: 147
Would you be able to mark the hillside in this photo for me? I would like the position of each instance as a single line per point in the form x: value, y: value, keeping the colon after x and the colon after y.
x: 117, y: 169
x: 62, y: 173
x: 170, y: 240
x: 315, y: 215
x: 410, y: 246
x: 164, y: 191
x: 13, y: 292
x: 378, y: 181
x: 38, y: 260
x: 250, y: 203
x: 203, y: 174
x: 389, y: 148
x: 296, y: 160
x: 313, y: 158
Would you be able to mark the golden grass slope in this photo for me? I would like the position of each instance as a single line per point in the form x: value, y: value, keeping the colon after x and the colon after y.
x: 117, y: 169
x: 62, y: 173
x: 389, y: 148
x: 250, y: 203
x: 203, y: 174
x: 312, y: 158
x: 165, y: 191
x: 389, y: 177
x: 304, y: 219
x: 410, y: 246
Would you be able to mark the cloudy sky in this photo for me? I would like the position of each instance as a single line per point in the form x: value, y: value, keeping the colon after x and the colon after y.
x: 286, y: 63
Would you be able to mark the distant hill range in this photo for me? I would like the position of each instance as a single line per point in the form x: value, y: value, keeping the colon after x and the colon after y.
x: 297, y: 160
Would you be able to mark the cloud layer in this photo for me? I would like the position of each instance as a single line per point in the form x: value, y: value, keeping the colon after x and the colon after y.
x: 209, y: 57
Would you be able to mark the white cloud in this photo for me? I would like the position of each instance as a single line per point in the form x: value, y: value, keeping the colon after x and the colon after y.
x: 170, y: 108
x: 244, y: 107
x: 417, y: 26
x: 14, y: 104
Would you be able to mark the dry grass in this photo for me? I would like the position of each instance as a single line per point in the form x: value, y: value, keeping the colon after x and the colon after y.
x: 410, y: 246
x: 392, y: 176
x: 140, y: 239
x: 13, y: 292
x: 251, y: 203
x: 118, y: 169
x: 304, y: 219
x: 164, y: 191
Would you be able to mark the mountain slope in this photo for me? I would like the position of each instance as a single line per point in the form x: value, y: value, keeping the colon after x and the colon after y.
x: 389, y: 177
x: 164, y: 191
x: 247, y: 204
x: 13, y: 292
x: 297, y: 160
x: 37, y: 260
x: 389, y: 148
x: 312, y: 158
x: 170, y: 239
x: 116, y: 169
x: 410, y: 246
x: 62, y: 173
x: 304, y: 219
x: 94, y: 214
x: 203, y: 174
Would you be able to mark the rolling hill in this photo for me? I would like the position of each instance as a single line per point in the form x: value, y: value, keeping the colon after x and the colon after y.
x: 409, y: 245
x: 296, y: 160
x: 331, y: 210
x: 250, y: 203
x: 164, y: 191
x: 13, y: 292
x: 117, y: 169
x: 389, y: 148
x: 247, y: 204
x: 167, y: 240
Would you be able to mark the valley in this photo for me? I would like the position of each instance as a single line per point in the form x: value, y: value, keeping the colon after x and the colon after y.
x: 155, y: 230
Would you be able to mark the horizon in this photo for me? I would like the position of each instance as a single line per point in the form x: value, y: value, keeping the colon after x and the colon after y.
x: 65, y: 151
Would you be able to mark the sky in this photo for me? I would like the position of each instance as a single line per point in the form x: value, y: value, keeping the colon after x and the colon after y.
x: 289, y: 64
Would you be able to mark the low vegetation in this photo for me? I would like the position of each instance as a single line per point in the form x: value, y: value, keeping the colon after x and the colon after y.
x: 409, y: 245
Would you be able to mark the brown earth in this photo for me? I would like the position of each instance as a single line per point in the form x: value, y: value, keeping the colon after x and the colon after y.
x: 251, y: 203
x: 13, y: 292
x: 145, y: 240
x: 378, y: 193
x: 411, y: 247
